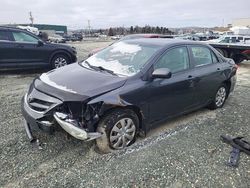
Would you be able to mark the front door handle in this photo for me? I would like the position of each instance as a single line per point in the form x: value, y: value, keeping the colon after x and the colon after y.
x: 218, y: 69
x: 191, y: 81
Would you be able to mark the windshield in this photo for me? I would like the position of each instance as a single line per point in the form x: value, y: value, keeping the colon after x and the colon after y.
x: 122, y: 58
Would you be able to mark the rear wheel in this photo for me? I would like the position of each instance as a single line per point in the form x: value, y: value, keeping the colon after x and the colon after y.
x: 119, y: 130
x: 238, y: 59
x: 59, y: 60
x: 220, y: 97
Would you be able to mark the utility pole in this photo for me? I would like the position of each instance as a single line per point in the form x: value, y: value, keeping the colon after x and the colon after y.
x: 89, y: 27
x: 31, y: 18
x: 123, y: 30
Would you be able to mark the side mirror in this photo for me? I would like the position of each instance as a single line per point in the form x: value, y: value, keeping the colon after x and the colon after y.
x: 161, y: 73
x: 40, y: 43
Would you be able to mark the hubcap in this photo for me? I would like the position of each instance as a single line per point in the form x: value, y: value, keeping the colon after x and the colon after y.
x: 220, y: 96
x: 122, y: 133
x: 60, y: 62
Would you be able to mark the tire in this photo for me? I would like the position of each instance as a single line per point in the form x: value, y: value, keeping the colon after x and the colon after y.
x: 238, y: 60
x: 59, y: 60
x: 119, y: 129
x: 219, y: 98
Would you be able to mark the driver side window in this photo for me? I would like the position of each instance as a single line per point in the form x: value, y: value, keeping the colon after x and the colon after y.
x: 24, y: 37
x: 175, y: 60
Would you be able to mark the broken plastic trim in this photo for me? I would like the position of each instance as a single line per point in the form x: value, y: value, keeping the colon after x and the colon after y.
x: 29, y: 133
x: 71, y: 127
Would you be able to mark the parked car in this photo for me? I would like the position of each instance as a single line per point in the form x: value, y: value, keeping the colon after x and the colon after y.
x: 236, y: 47
x: 56, y: 39
x: 231, y: 39
x: 116, y: 37
x: 70, y: 38
x: 21, y: 49
x: 73, y: 38
x: 128, y: 88
x: 145, y: 35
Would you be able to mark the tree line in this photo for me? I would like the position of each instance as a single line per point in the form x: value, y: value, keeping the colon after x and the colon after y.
x: 112, y: 31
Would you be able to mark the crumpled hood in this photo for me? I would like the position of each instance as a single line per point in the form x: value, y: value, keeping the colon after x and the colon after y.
x: 74, y: 80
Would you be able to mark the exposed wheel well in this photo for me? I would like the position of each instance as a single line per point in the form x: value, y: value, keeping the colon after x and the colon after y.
x: 138, y: 113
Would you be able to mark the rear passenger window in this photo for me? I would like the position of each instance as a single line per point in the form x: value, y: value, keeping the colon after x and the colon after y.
x: 23, y: 37
x: 4, y: 35
x: 201, y: 55
x: 175, y: 60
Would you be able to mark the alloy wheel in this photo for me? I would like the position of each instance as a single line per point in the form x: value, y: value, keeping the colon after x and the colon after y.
x: 220, y: 96
x: 60, y: 62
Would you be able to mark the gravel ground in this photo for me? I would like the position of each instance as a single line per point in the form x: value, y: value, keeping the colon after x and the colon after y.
x: 183, y: 152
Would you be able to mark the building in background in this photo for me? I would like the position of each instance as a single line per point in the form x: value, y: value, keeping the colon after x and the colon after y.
x: 241, y: 26
x: 241, y: 22
x: 50, y: 29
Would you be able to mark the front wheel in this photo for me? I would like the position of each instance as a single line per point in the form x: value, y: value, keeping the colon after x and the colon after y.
x: 119, y: 130
x: 59, y: 60
x: 220, y: 97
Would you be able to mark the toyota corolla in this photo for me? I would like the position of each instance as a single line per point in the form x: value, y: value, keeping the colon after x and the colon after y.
x: 127, y: 88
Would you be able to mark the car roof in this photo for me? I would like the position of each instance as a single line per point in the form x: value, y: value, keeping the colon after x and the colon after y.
x: 162, y: 42
x: 147, y: 35
x: 13, y: 28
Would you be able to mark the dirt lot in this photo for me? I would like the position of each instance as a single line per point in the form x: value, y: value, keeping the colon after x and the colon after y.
x: 83, y: 48
x: 184, y: 152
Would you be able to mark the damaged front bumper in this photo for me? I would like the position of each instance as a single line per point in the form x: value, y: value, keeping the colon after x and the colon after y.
x: 71, y: 127
x: 37, y: 120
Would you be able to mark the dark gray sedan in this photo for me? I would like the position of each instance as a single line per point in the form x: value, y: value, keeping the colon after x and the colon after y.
x: 128, y: 88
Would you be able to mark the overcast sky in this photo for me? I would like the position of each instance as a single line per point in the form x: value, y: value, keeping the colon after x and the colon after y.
x: 107, y: 13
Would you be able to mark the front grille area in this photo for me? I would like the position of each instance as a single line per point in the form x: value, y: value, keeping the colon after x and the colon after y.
x: 41, y: 102
x: 39, y: 105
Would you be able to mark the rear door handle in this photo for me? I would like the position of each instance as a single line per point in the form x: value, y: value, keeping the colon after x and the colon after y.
x: 218, y: 69
x: 190, y: 76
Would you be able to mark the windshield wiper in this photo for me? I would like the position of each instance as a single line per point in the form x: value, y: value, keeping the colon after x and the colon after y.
x: 90, y: 66
x: 107, y: 70
x: 99, y: 68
